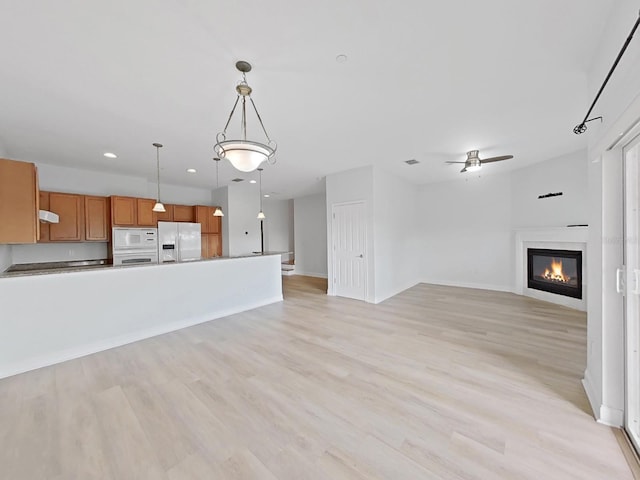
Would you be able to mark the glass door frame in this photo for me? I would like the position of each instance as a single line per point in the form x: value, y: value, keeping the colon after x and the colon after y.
x: 631, y: 262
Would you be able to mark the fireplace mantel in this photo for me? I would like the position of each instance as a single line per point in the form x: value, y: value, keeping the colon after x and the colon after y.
x: 560, y: 238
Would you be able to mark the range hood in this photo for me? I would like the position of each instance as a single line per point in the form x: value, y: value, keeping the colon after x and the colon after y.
x: 48, y: 217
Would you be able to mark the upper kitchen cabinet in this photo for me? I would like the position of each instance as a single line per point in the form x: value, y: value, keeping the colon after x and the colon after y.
x: 166, y: 216
x: 44, y: 227
x: 204, y: 216
x: 123, y: 211
x: 183, y: 213
x: 146, y: 215
x: 96, y: 218
x: 70, y: 209
x: 19, y: 202
x: 132, y: 212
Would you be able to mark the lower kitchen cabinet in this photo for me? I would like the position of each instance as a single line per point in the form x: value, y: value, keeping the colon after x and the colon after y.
x: 70, y: 209
x: 211, y: 245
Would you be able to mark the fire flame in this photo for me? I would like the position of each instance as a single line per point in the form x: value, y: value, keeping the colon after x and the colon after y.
x: 556, y: 274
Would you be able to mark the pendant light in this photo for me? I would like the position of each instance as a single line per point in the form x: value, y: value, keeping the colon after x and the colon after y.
x: 158, y: 207
x: 218, y: 212
x: 260, y: 213
x: 245, y: 155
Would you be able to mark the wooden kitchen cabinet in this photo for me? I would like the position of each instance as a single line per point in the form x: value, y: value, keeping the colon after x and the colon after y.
x: 183, y: 213
x: 44, y: 227
x: 96, y: 219
x: 123, y: 211
x: 167, y: 216
x: 70, y: 209
x: 211, y: 245
x: 146, y: 215
x: 204, y: 216
x: 19, y: 202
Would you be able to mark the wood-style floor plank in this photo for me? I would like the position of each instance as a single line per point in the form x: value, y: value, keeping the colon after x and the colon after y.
x: 434, y: 383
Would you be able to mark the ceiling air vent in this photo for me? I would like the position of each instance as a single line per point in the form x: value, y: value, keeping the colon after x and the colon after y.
x: 413, y: 161
x: 238, y: 180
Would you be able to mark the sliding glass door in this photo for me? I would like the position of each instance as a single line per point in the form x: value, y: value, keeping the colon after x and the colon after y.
x: 631, y: 277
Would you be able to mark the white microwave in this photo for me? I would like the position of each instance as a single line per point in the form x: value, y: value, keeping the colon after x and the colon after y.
x: 127, y: 239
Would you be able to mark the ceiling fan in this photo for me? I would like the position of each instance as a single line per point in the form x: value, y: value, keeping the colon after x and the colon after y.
x: 473, y: 163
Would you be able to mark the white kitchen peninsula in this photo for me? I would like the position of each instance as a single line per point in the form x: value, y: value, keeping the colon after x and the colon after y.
x: 50, y: 318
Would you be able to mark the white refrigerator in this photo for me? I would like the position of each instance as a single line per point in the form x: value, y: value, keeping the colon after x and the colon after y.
x: 178, y: 242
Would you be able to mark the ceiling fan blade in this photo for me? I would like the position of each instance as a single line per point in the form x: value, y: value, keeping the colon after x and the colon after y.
x: 496, y: 159
x: 463, y: 170
x: 454, y: 162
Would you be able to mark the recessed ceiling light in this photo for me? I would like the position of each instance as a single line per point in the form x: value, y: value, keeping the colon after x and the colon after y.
x: 266, y: 195
x: 252, y: 181
x: 341, y: 58
x: 191, y: 170
x: 110, y: 155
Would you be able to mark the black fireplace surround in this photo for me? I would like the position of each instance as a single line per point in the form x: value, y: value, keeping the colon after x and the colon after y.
x: 555, y: 271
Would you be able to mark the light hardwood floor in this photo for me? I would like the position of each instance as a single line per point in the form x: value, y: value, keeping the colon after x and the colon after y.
x: 435, y: 383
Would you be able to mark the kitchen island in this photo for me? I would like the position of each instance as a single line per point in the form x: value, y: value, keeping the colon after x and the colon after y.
x: 50, y: 318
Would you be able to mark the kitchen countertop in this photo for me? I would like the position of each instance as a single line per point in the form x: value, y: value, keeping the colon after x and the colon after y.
x: 27, y: 269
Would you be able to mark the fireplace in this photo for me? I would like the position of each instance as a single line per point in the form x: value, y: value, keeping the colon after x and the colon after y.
x: 555, y: 271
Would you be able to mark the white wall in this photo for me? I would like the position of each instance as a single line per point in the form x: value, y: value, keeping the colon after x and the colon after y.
x: 243, y: 225
x: 396, y: 232
x: 310, y: 227
x: 467, y: 225
x: 278, y: 226
x: 74, y: 180
x: 620, y: 107
x: 71, y: 317
x: 59, y: 252
x: 567, y: 174
x: 352, y: 186
x: 467, y: 233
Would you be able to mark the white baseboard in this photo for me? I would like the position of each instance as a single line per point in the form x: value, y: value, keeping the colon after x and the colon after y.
x: 396, y: 292
x: 477, y: 286
x: 95, y: 347
x: 311, y: 274
x: 592, y: 396
x: 286, y: 273
x: 612, y: 417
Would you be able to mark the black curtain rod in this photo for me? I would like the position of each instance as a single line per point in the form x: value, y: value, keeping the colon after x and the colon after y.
x: 582, y: 127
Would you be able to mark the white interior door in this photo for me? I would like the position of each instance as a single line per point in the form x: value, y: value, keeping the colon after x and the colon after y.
x: 349, y: 250
x: 631, y: 279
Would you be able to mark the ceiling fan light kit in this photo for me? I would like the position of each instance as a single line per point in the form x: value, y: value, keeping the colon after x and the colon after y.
x: 474, y: 163
x: 245, y: 155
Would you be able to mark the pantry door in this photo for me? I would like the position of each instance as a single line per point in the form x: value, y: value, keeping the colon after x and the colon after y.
x: 349, y: 250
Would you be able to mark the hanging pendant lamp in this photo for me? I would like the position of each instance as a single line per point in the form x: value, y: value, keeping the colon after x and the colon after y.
x: 158, y: 207
x: 245, y: 155
x: 260, y: 213
x: 218, y: 212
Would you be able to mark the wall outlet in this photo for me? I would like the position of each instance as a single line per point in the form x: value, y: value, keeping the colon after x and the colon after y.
x: 72, y: 252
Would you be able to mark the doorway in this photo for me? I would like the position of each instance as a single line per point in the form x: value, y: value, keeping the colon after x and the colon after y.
x: 631, y: 251
x: 349, y: 250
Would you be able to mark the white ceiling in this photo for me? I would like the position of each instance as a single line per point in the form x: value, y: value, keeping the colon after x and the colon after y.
x: 424, y: 79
